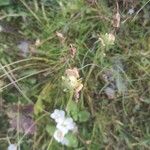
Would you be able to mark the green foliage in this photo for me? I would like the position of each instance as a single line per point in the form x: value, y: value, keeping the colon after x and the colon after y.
x: 119, y: 123
x: 5, y: 2
x: 73, y: 141
x: 73, y: 110
x: 84, y: 116
x: 50, y: 129
x: 38, y: 107
x: 43, y: 96
x: 76, y: 113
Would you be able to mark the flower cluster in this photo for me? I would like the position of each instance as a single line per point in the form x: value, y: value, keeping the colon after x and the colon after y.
x: 64, y: 125
x: 72, y: 81
x: 107, y: 39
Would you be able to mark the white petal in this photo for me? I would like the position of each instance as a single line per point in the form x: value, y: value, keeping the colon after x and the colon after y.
x: 58, y: 135
x: 12, y: 147
x: 69, y: 123
x: 69, y: 120
x: 62, y: 127
x: 66, y: 125
x: 72, y: 126
x: 53, y: 115
x: 65, y: 141
x: 60, y: 119
x: 58, y: 115
x: 131, y: 11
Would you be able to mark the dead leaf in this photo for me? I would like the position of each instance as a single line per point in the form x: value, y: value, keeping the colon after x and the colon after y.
x: 73, y: 51
x: 23, y: 124
x: 72, y: 72
x: 110, y: 92
x: 61, y: 37
x: 92, y: 2
x: 21, y: 118
x: 37, y: 42
x: 116, y: 18
x: 77, y: 90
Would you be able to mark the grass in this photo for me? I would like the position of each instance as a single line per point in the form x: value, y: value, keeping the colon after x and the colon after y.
x: 119, y: 123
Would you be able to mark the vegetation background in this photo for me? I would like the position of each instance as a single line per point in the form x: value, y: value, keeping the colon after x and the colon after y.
x: 40, y: 39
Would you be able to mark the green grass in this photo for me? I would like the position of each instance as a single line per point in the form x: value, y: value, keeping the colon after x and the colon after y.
x: 121, y: 123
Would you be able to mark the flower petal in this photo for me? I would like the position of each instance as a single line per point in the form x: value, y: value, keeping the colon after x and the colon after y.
x: 66, y: 125
x: 65, y: 141
x: 12, y: 147
x: 58, y: 135
x: 58, y: 115
x: 62, y: 127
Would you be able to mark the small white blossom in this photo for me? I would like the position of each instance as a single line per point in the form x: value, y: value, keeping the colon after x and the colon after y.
x: 63, y: 126
x: 58, y: 115
x: 66, y: 125
x: 59, y: 137
x: 131, y: 11
x: 12, y: 147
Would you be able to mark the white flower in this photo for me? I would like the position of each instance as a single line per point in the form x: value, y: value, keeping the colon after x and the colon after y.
x: 131, y: 11
x: 63, y: 126
x: 12, y: 147
x: 66, y: 125
x: 59, y: 137
x: 58, y: 115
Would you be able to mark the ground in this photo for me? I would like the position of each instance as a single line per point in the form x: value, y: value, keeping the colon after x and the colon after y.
x: 89, y: 58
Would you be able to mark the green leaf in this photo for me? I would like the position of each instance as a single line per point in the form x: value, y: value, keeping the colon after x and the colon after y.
x: 84, y: 116
x: 44, y: 96
x: 38, y: 107
x: 73, y: 110
x: 50, y: 129
x: 73, y: 141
